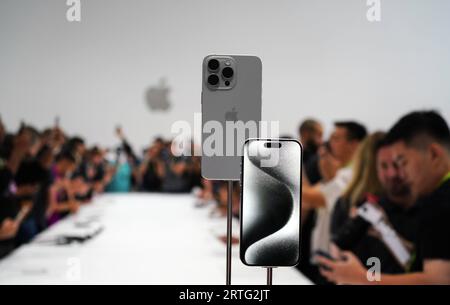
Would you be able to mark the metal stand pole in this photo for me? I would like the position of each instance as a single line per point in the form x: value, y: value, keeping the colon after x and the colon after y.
x: 269, y: 276
x: 229, y: 229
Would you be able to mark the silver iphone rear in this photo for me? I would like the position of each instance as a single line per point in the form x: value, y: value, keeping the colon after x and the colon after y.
x: 231, y: 95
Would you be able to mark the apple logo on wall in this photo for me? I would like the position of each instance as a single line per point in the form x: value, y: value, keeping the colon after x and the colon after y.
x: 157, y: 97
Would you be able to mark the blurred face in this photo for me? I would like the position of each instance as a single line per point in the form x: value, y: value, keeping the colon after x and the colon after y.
x: 47, y: 160
x: 389, y: 174
x: 34, y: 149
x: 313, y: 138
x: 223, y: 194
x: 159, y: 145
x: 67, y: 167
x: 97, y: 159
x: 341, y: 147
x: 153, y: 151
x: 23, y: 141
x: 318, y: 135
x: 80, y: 150
x: 79, y: 185
x: 416, y: 166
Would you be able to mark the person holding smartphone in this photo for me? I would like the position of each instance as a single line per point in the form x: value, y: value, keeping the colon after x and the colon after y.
x: 336, y: 171
x: 377, y: 182
x: 421, y: 145
x: 15, y: 206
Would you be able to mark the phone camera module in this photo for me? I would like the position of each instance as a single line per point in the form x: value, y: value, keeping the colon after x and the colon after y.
x: 213, y: 65
x: 213, y: 80
x: 227, y: 72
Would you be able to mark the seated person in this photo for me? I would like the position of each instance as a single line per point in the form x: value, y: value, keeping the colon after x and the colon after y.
x: 15, y: 206
x: 151, y: 169
x: 176, y: 175
x: 420, y: 142
x: 335, y: 164
x: 377, y: 174
x: 15, y: 148
x: 61, y: 193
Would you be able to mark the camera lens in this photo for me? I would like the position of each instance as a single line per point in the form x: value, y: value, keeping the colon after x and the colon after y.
x: 213, y: 64
x: 227, y: 72
x: 213, y: 80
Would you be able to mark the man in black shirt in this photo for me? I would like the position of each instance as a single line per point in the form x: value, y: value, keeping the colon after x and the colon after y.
x: 13, y: 153
x: 310, y: 133
x: 15, y: 207
x: 152, y: 167
x: 421, y: 142
x: 400, y: 212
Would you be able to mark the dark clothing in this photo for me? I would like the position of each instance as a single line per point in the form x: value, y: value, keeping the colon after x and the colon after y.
x: 174, y: 183
x: 311, y: 165
x: 196, y: 180
x: 404, y: 221
x: 90, y: 173
x: 9, y: 208
x: 99, y: 172
x: 130, y: 152
x: 308, y: 154
x: 40, y: 204
x: 27, y: 231
x: 151, y: 182
x: 6, y: 178
x: 312, y: 169
x: 305, y: 266
x: 6, y: 147
x: 81, y: 171
x: 435, y: 224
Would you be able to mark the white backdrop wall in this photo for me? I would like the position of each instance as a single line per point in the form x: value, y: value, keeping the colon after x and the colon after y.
x: 321, y: 58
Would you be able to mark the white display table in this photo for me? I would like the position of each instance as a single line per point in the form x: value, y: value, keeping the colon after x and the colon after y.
x: 146, y: 239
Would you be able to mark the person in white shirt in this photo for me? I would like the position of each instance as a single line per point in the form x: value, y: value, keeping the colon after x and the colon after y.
x: 335, y: 166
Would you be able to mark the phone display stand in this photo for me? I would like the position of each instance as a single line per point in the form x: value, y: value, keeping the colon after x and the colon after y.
x: 229, y: 229
x: 269, y: 276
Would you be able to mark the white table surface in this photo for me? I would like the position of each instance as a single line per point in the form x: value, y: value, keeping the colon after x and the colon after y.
x: 147, y: 239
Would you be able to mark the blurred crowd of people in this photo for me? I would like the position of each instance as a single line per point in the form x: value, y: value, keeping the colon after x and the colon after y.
x: 378, y: 200
x: 367, y: 198
x: 376, y: 206
x: 47, y: 175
